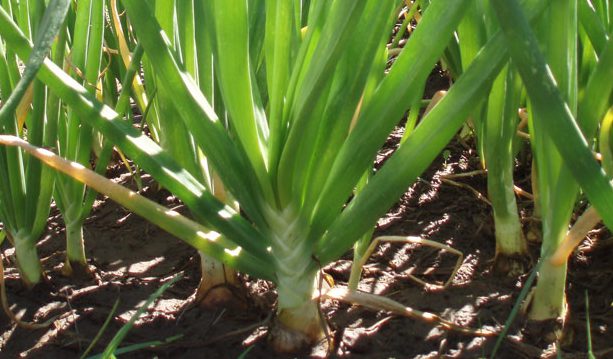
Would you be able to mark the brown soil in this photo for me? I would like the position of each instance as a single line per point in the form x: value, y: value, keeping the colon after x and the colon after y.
x: 132, y: 258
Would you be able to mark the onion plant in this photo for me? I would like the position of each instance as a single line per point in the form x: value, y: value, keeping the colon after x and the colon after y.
x: 184, y: 22
x: 562, y: 159
x: 495, y: 123
x: 26, y: 111
x: 558, y: 191
x: 298, y: 132
x: 84, y: 43
x: 501, y: 140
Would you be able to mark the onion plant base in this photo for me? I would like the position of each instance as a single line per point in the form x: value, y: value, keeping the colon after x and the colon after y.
x: 75, y: 243
x: 75, y: 265
x: 548, y: 331
x: 77, y: 270
x: 222, y: 296
x: 547, y: 308
x: 512, y: 258
x: 219, y: 286
x: 296, y: 329
x: 549, y: 298
x: 28, y: 263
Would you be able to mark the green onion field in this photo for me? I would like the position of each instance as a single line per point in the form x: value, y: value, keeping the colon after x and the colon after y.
x: 306, y: 178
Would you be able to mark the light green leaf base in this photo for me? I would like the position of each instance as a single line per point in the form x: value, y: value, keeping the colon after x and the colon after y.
x: 298, y: 324
x: 512, y: 258
x: 76, y: 261
x: 548, y: 308
x: 28, y: 261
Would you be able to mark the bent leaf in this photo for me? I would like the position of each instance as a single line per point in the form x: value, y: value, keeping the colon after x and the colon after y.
x: 194, y: 234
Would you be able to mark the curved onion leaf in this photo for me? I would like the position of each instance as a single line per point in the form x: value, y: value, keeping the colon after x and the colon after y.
x: 184, y: 228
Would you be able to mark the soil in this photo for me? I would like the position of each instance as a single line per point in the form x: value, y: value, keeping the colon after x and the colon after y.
x: 132, y: 258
